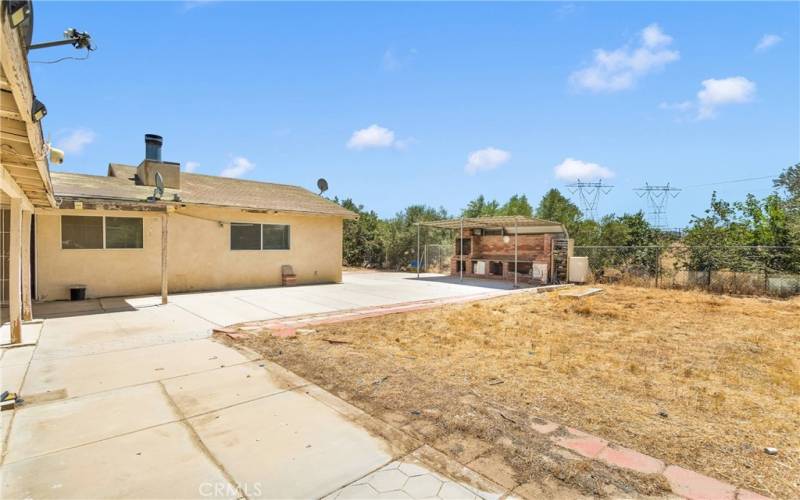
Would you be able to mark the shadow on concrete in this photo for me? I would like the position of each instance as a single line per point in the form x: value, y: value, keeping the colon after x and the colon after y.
x: 473, y: 282
x: 68, y: 308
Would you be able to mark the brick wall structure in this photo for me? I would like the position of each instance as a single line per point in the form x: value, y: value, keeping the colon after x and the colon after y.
x: 533, y: 252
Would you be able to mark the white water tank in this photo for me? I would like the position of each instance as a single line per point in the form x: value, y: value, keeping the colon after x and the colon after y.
x: 578, y: 269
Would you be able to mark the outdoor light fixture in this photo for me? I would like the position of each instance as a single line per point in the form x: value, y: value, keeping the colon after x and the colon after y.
x: 78, y: 39
x: 38, y: 110
x: 18, y: 11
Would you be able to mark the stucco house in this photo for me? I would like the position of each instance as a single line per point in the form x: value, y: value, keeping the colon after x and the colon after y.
x: 117, y: 236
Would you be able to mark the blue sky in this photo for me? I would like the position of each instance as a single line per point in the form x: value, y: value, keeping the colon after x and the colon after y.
x: 400, y: 103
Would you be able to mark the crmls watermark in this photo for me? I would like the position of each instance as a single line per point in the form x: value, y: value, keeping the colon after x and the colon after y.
x: 224, y: 489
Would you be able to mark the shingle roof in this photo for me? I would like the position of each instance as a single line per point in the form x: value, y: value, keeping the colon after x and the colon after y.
x: 197, y: 189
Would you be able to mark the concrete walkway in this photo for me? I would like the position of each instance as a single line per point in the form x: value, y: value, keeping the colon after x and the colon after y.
x: 127, y: 398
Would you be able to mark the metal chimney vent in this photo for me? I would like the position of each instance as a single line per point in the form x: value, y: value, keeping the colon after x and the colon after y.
x: 152, y: 147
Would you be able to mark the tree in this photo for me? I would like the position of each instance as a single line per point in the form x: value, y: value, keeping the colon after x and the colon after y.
x: 556, y: 207
x: 362, y: 242
x: 479, y: 207
x: 788, y: 184
x: 517, y: 205
x: 400, y: 235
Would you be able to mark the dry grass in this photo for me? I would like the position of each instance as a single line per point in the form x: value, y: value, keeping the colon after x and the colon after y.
x: 469, y: 378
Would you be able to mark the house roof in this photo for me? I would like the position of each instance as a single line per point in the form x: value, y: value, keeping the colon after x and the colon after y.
x: 500, y: 221
x: 197, y: 189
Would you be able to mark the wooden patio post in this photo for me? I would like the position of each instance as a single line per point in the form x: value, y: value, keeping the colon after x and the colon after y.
x: 15, y: 271
x: 461, y: 262
x: 516, y: 264
x: 164, y: 259
x: 27, y: 311
x: 418, y: 256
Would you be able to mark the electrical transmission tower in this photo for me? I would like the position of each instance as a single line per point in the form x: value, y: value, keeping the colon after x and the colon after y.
x: 657, y: 198
x: 589, y: 194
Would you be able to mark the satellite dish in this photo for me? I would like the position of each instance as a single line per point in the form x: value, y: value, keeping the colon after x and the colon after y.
x: 159, y: 192
x: 322, y: 184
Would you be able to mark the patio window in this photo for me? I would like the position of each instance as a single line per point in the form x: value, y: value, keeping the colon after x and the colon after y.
x: 79, y: 232
x: 245, y: 236
x: 252, y: 236
x: 124, y: 232
x: 95, y: 232
x: 276, y: 237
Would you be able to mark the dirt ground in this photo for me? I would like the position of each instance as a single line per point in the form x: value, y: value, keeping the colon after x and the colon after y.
x: 702, y: 381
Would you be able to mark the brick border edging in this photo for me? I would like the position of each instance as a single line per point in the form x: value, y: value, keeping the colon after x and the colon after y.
x: 683, y: 482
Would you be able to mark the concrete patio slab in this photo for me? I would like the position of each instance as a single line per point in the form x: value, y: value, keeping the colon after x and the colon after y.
x: 214, y: 389
x: 16, y: 355
x: 221, y: 308
x: 12, y: 377
x: 102, y: 372
x: 40, y: 429
x: 291, y: 443
x: 284, y: 305
x: 160, y: 462
x: 109, y: 378
x: 30, y: 332
x: 66, y: 308
x: 97, y: 333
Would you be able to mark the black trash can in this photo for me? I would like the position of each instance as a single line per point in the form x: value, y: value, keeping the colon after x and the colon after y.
x: 77, y: 292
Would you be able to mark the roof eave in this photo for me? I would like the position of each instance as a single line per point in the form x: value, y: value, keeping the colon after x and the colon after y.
x: 101, y: 200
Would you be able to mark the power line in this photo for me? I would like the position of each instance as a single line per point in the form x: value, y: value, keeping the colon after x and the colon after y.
x: 733, y: 181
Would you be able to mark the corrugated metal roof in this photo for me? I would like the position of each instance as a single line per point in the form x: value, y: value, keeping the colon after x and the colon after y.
x: 499, y: 221
x: 197, y: 189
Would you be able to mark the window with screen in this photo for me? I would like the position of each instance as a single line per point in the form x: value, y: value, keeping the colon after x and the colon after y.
x: 276, y: 237
x: 245, y: 236
x: 78, y: 232
x: 251, y: 236
x: 124, y: 232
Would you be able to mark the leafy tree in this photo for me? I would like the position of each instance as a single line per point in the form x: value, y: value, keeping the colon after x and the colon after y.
x: 517, y: 205
x: 400, y: 235
x: 556, y: 207
x: 788, y: 184
x: 362, y: 242
x: 479, y: 207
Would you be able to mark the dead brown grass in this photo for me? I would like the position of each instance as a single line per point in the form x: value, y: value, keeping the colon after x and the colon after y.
x: 470, y: 378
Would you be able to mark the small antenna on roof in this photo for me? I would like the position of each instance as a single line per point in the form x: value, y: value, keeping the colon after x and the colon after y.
x: 322, y: 184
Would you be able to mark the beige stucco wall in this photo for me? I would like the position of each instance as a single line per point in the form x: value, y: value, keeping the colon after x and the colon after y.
x: 199, y: 256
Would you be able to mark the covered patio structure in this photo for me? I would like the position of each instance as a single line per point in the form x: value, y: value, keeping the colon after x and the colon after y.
x: 522, y: 249
x: 25, y: 183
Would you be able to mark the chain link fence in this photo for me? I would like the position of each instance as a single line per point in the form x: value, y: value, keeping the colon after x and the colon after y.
x: 745, y: 270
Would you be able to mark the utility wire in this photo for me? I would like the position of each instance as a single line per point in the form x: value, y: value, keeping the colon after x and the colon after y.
x: 732, y: 182
x: 55, y: 61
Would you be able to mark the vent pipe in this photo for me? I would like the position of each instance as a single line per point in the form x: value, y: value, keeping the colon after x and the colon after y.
x: 152, y: 147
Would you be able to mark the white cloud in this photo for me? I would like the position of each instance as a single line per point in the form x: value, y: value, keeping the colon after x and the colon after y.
x: 73, y: 142
x: 394, y: 60
x: 237, y: 167
x: 719, y: 92
x: 191, y: 166
x: 373, y: 136
x: 768, y: 41
x: 571, y: 169
x: 653, y: 37
x: 486, y: 159
x: 620, y: 69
